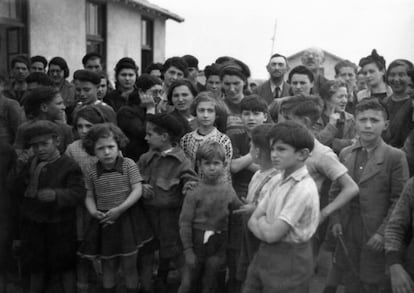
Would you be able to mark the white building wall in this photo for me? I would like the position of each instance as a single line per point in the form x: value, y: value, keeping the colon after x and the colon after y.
x: 57, y: 28
x: 123, y: 35
x: 159, y: 40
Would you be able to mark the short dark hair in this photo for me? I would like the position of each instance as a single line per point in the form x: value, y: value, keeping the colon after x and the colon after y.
x: 177, y: 83
x: 209, y: 150
x: 259, y: 136
x: 371, y: 103
x: 147, y: 81
x: 103, y: 130
x: 37, y: 97
x: 20, y: 59
x: 91, y: 113
x: 278, y: 55
x: 40, y: 78
x: 345, y: 63
x: 303, y: 106
x: 39, y: 58
x: 301, y: 69
x: 126, y: 63
x: 191, y: 61
x: 92, y: 55
x: 375, y: 58
x: 59, y: 61
x: 253, y: 103
x: 176, y: 62
x: 166, y: 123
x: 86, y: 75
x: 155, y: 66
x: 213, y: 69
x: 293, y: 134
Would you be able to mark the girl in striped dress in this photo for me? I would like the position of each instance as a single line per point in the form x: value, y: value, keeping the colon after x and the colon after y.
x: 117, y: 228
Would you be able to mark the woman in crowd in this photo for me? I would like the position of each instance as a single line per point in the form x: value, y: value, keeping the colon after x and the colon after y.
x: 126, y: 74
x: 131, y: 117
x: 181, y: 95
x: 336, y: 126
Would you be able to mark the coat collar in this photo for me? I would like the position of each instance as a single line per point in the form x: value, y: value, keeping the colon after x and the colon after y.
x: 175, y: 152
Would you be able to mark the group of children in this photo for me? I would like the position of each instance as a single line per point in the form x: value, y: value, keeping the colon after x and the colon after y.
x: 251, y: 207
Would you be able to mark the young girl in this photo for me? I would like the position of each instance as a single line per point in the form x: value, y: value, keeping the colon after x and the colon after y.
x: 204, y: 108
x: 113, y: 187
x: 84, y: 120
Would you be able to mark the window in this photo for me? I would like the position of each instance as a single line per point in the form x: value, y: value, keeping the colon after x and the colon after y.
x: 147, y: 42
x: 13, y: 24
x: 95, y: 28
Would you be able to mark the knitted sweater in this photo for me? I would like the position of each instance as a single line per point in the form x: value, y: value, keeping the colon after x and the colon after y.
x: 192, y: 140
x: 207, y: 208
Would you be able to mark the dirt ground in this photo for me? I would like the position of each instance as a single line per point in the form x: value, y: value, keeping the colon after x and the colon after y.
x: 317, y: 283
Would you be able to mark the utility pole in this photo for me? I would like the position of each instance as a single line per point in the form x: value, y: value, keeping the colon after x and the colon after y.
x: 273, y: 38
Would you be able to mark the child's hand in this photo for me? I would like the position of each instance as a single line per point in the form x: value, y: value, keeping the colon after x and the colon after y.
x: 247, y: 208
x: 400, y: 279
x: 190, y: 257
x: 111, y: 216
x: 337, y: 230
x: 376, y: 242
x: 189, y: 186
x: 98, y: 215
x: 46, y: 195
x: 147, y: 191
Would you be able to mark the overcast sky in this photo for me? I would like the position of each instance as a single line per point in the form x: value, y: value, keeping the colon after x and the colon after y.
x: 244, y: 29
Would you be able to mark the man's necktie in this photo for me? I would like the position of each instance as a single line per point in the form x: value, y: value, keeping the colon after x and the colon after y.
x: 277, y: 92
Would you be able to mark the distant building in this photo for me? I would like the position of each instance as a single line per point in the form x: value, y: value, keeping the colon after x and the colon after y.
x: 72, y: 28
x: 327, y: 67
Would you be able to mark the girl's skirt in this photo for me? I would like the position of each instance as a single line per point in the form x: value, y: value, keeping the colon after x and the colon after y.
x: 122, y: 238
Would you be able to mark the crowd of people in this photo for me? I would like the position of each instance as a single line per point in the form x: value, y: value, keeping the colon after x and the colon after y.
x: 237, y: 188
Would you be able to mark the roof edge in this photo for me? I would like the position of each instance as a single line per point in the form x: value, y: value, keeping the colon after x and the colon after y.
x: 146, y: 5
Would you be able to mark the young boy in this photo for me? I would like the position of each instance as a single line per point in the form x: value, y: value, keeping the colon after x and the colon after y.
x: 253, y: 113
x: 167, y: 173
x: 86, y: 88
x: 286, y: 218
x: 323, y: 165
x: 381, y: 172
x: 203, y: 232
x: 258, y: 187
x: 49, y: 187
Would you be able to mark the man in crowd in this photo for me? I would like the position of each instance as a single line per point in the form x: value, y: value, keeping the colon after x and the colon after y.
x: 275, y: 87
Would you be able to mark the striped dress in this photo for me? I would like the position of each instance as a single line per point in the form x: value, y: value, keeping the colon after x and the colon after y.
x: 131, y: 230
